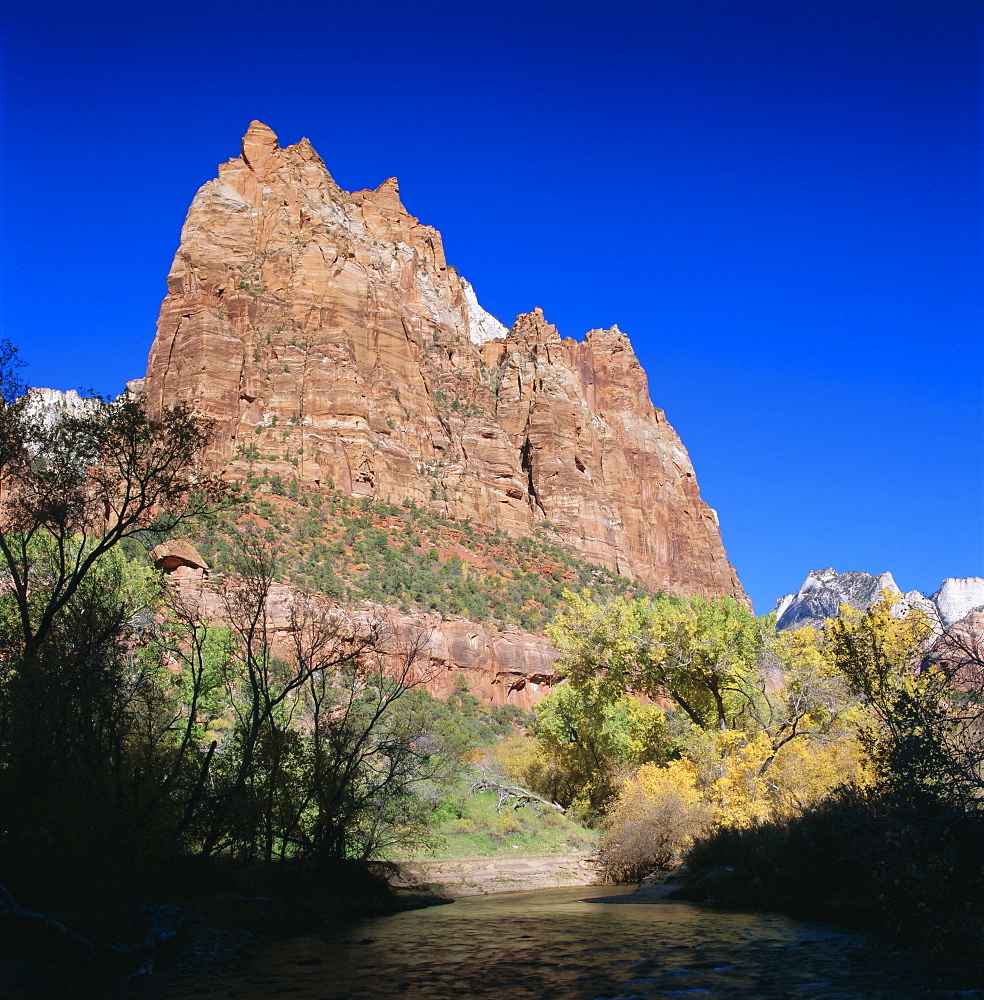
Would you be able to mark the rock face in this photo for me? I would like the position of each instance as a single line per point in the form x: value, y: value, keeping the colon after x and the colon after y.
x: 178, y: 554
x: 327, y: 337
x: 48, y: 406
x: 825, y: 590
x: 959, y: 652
x: 501, y: 667
x: 957, y: 598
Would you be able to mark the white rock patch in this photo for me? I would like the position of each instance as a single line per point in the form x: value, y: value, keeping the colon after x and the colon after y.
x: 482, y: 326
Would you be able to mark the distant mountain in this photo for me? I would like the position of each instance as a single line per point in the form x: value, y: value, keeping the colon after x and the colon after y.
x: 957, y: 598
x: 825, y: 590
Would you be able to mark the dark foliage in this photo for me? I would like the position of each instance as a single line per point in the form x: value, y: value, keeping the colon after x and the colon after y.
x: 867, y: 856
x: 109, y: 771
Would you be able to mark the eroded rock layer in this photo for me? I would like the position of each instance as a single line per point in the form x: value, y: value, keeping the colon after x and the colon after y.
x: 500, y: 666
x: 327, y: 337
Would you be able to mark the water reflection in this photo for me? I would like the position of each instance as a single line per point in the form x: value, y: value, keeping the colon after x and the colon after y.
x: 556, y: 943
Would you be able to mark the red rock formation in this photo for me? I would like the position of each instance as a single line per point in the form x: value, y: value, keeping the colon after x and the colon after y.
x: 958, y: 650
x: 327, y: 337
x: 178, y: 553
x: 506, y: 667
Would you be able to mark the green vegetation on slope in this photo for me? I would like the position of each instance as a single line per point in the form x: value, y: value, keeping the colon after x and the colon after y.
x: 469, y: 825
x: 411, y: 557
x: 462, y: 723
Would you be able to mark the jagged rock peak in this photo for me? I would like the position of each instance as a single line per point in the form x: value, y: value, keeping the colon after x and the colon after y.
x: 387, y: 195
x: 610, y: 335
x: 824, y: 591
x: 50, y: 405
x: 328, y: 338
x: 259, y: 146
x: 533, y: 327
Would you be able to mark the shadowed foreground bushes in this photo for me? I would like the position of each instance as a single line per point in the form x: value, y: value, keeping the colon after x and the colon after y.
x: 215, y: 912
x: 870, y: 856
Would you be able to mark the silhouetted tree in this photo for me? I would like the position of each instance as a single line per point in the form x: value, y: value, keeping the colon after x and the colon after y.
x: 85, y: 747
x: 323, y: 761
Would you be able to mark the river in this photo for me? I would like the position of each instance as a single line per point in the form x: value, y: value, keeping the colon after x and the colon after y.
x: 567, y: 944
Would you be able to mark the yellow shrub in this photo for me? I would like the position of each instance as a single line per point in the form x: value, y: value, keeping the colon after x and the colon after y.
x: 655, y: 818
x: 805, y: 770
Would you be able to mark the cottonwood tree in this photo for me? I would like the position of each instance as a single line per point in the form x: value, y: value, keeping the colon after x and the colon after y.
x: 802, y: 694
x: 928, y: 743
x: 585, y: 737
x: 739, y: 685
x: 699, y: 652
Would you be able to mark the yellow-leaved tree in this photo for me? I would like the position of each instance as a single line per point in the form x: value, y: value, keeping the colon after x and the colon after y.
x: 926, y: 739
x: 585, y: 735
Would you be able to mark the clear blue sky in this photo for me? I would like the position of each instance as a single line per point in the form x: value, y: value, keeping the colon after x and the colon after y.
x: 778, y: 200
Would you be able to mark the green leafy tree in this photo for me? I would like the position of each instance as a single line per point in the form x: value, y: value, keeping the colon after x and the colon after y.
x: 86, y: 746
x: 75, y: 482
x: 586, y: 737
x: 699, y: 652
x: 327, y: 751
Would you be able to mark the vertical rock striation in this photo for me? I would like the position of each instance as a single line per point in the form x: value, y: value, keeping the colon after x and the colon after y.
x: 328, y: 338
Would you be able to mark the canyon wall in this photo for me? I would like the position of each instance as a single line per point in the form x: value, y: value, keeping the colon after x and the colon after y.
x: 327, y: 337
x: 500, y: 666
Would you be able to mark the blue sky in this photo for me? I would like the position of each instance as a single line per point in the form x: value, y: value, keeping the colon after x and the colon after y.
x: 778, y: 200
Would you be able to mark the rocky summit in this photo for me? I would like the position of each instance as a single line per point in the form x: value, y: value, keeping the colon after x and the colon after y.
x: 825, y: 590
x: 330, y: 341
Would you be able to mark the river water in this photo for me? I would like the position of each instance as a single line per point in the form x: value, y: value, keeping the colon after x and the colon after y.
x: 566, y: 944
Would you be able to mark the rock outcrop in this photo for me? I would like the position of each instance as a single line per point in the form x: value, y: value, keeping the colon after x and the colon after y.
x: 959, y: 652
x: 179, y: 554
x: 327, y: 337
x: 825, y: 590
x: 500, y: 666
x: 957, y: 598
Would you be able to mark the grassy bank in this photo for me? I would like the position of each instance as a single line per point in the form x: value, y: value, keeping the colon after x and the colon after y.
x: 469, y: 825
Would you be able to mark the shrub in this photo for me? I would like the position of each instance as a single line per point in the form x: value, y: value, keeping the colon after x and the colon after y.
x: 865, y: 854
x: 655, y: 819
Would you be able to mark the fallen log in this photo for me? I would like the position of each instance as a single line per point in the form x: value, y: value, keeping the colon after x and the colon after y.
x: 487, y: 781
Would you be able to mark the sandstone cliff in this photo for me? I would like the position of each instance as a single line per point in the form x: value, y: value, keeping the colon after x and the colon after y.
x: 501, y: 666
x: 328, y: 338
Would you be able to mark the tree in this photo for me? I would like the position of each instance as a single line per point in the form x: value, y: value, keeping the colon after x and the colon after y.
x: 586, y: 736
x: 928, y: 743
x: 801, y: 694
x: 326, y: 754
x: 75, y: 482
x: 747, y: 701
x: 700, y: 652
x: 85, y: 740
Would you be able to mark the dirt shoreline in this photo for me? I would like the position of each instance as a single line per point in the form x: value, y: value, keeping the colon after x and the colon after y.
x: 460, y: 877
